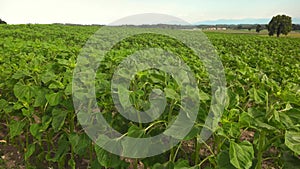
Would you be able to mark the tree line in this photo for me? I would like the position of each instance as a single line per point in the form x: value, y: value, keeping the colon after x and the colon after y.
x: 280, y: 24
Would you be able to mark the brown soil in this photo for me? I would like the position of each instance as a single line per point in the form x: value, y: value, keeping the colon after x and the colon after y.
x: 11, y: 158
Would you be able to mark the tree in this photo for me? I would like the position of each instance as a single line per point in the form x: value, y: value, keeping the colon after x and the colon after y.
x: 239, y: 27
x: 258, y: 28
x: 280, y: 24
x: 2, y: 22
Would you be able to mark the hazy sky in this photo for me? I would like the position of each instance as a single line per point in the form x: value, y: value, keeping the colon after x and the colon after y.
x: 107, y: 11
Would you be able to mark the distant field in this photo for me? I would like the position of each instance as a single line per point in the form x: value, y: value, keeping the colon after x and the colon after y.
x: 293, y: 34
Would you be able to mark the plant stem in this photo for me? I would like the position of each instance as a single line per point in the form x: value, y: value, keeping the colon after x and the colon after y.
x: 140, y: 120
x: 170, y: 111
x: 135, y: 164
x: 151, y: 125
x: 197, y: 151
x: 260, y: 150
x: 176, y: 152
x: 172, y: 152
x: 27, y: 145
x: 72, y: 124
x: 91, y: 153
x: 205, y: 160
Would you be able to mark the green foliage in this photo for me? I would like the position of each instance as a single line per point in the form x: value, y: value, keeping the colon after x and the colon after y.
x: 280, y: 24
x: 262, y: 73
x: 292, y: 141
x: 16, y: 128
x: 241, y: 155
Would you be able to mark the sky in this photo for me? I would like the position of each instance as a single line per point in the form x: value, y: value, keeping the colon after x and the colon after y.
x: 108, y: 11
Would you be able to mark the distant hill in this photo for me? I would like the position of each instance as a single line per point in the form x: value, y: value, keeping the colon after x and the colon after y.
x: 240, y: 21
